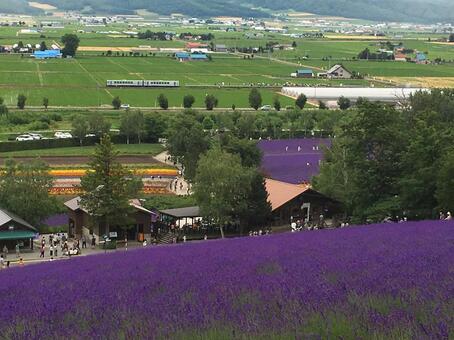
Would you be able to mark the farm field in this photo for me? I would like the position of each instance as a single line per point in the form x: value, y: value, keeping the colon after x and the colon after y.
x: 384, y: 281
x: 81, y: 82
x: 123, y: 149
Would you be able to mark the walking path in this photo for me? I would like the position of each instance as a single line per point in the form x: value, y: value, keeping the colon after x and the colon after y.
x: 179, y: 186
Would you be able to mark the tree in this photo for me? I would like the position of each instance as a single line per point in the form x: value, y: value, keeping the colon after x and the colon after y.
x: 132, y: 123
x: 43, y: 46
x: 21, y: 99
x: 3, y: 107
x: 24, y: 190
x: 451, y: 37
x: 277, y: 103
x: 108, y: 189
x: 322, y: 105
x: 207, y: 123
x: 98, y: 125
x: 221, y: 187
x: 255, y: 99
x: 246, y: 125
x: 163, y: 102
x: 116, y: 103
x: 45, y: 102
x: 250, y: 154
x: 79, y: 128
x: 211, y: 102
x: 155, y: 126
x: 188, y: 101
x: 445, y: 183
x: 294, y: 44
x: 301, y: 101
x: 71, y: 42
x: 343, y: 103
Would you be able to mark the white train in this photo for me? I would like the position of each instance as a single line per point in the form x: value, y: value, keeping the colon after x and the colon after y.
x: 143, y: 83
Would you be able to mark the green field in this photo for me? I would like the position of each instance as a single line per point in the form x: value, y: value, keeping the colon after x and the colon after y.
x: 123, y: 149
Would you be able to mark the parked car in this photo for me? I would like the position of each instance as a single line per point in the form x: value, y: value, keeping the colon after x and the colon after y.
x: 36, y: 136
x: 125, y: 106
x: 25, y: 137
x: 62, y: 135
x: 90, y: 135
x: 266, y: 108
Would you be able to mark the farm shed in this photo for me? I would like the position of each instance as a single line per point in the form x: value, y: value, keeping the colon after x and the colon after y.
x: 14, y: 229
x: 297, y: 202
x: 304, y: 73
x: 80, y: 222
x: 48, y: 54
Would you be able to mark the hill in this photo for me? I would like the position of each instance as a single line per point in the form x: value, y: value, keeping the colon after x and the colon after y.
x: 389, y: 281
x: 380, y: 10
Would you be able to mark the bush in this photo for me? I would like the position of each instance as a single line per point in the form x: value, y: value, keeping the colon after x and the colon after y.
x: 19, y: 118
x: 39, y: 125
x: 163, y: 102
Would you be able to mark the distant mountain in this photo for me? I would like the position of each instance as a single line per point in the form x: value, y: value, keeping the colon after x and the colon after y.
x: 379, y: 10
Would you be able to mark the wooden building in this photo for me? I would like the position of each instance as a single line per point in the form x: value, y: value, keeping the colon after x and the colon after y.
x: 14, y: 230
x: 80, y: 222
x: 297, y: 202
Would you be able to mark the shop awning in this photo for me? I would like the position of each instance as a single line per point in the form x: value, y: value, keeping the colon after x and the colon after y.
x: 17, y: 235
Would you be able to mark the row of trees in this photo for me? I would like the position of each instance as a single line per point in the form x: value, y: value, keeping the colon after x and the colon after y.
x: 388, y: 162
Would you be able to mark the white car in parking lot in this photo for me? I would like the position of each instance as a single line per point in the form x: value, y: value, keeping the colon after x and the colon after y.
x: 36, y: 136
x: 25, y: 137
x: 62, y: 135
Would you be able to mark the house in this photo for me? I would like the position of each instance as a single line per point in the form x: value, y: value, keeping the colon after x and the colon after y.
x: 198, y: 57
x: 297, y: 202
x: 220, y: 48
x: 184, y: 56
x: 14, y: 230
x: 47, y: 54
x: 421, y: 58
x: 400, y: 57
x: 338, y: 72
x: 190, y: 45
x: 80, y: 222
x: 304, y: 73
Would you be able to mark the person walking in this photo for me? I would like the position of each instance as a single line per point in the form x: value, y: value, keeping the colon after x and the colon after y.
x: 5, y: 252
x: 84, y: 241
x: 93, y: 242
x: 2, y: 262
x: 41, y: 255
x: 21, y: 262
x: 17, y: 250
x: 51, y: 252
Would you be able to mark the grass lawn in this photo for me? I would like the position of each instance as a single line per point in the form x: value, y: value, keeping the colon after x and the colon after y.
x: 123, y: 149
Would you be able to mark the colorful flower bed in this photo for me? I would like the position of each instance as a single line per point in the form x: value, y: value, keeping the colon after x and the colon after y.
x: 139, y: 172
x: 74, y: 190
x: 389, y: 281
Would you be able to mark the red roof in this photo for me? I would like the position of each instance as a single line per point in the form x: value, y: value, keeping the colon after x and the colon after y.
x: 195, y: 45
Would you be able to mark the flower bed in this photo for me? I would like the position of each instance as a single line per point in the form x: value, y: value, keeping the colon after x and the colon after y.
x: 138, y: 172
x: 388, y: 281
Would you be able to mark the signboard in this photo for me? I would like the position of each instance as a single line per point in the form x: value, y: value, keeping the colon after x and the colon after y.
x: 113, y: 234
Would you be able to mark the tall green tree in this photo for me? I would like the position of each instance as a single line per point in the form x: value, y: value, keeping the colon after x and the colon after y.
x: 221, y: 187
x: 188, y: 101
x: 98, y: 125
x: 255, y: 99
x: 79, y: 128
x: 24, y: 190
x: 116, y: 102
x: 71, y: 44
x: 45, y: 102
x: 163, y: 102
x: 21, y: 100
x: 155, y: 126
x: 108, y: 188
x: 301, y: 101
x: 211, y: 102
x: 43, y: 46
x: 277, y: 103
x: 445, y: 183
x: 344, y: 103
x: 3, y: 108
x: 132, y: 124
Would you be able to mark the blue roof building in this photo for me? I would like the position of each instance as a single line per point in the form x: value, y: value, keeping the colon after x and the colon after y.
x: 199, y: 56
x: 421, y: 58
x: 47, y: 54
x: 304, y: 73
x: 184, y: 56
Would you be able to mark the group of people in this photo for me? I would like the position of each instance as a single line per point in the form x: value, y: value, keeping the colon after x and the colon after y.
x: 446, y: 217
x: 260, y: 232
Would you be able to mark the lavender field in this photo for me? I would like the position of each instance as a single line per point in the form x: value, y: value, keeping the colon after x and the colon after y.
x: 390, y: 281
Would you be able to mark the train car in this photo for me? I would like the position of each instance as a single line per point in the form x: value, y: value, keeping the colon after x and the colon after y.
x: 125, y: 83
x: 161, y: 83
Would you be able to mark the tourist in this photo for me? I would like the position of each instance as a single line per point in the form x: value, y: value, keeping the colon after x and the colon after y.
x: 17, y: 250
x: 93, y: 242
x: 449, y: 217
x: 2, y: 262
x: 184, y: 238
x: 51, y: 251
x: 21, y: 262
x: 144, y: 243
x: 205, y: 237
x: 442, y: 215
x: 55, y: 251
x: 286, y: 148
x: 5, y: 252
x: 41, y: 255
x: 84, y: 242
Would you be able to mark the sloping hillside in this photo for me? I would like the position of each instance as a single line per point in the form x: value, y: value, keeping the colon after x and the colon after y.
x: 380, y: 10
